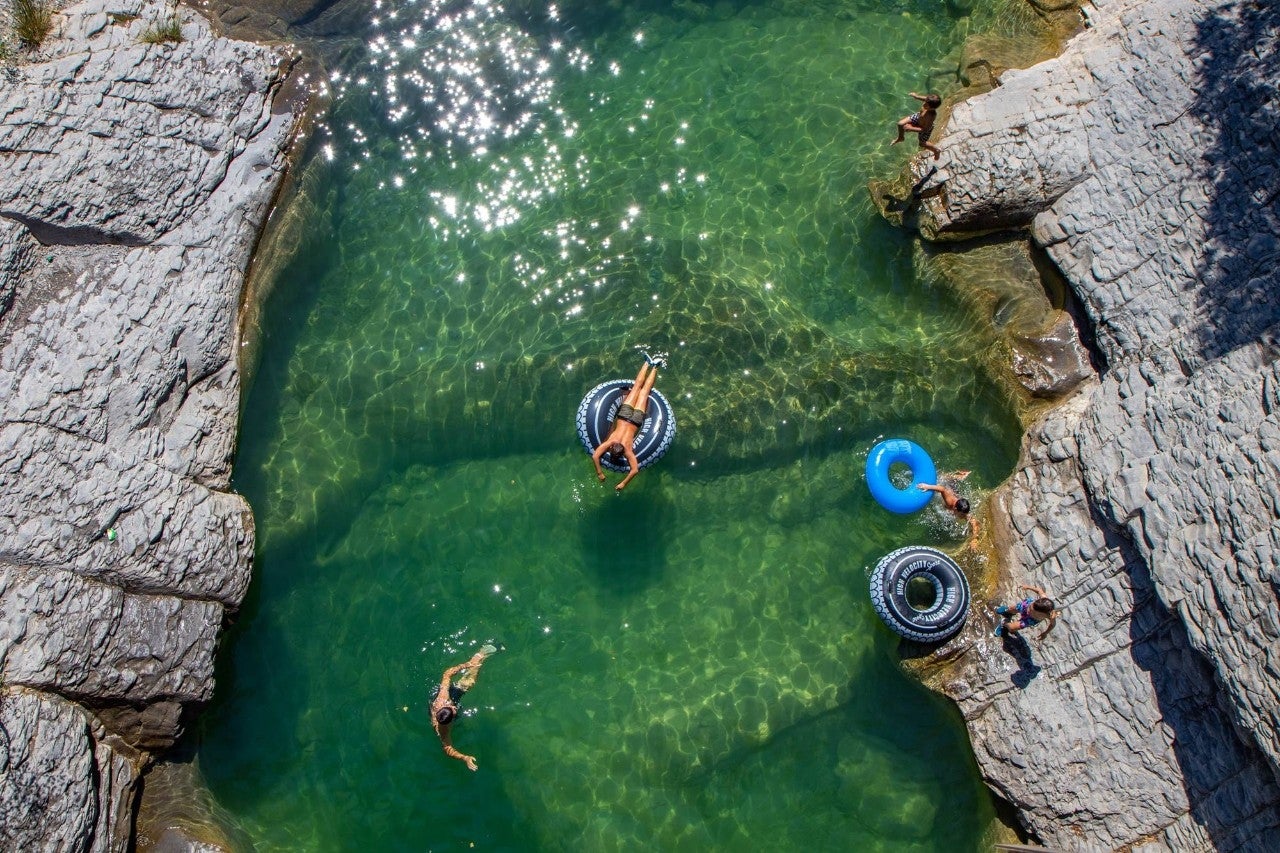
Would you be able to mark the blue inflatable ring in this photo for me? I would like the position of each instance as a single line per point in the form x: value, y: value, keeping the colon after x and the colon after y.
x: 885, y: 492
x: 595, y: 422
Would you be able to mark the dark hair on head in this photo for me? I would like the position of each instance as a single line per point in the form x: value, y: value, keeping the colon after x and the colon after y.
x: 934, y: 101
x: 962, y: 506
x: 446, y: 714
x: 1044, y: 605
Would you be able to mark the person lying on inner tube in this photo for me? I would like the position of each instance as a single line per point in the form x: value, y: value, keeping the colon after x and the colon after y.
x: 957, y: 505
x: 627, y: 423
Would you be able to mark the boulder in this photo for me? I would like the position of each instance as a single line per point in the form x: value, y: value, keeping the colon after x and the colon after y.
x: 1051, y: 362
x: 62, y: 784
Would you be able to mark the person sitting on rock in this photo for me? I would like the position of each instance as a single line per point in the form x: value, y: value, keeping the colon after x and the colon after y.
x: 444, y: 707
x: 921, y: 123
x: 956, y: 504
x: 1027, y: 613
x: 627, y: 422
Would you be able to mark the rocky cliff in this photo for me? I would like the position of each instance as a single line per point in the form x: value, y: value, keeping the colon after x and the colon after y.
x: 134, y: 179
x: 1145, y: 161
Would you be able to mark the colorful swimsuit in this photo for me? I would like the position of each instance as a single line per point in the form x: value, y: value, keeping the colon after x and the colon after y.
x: 1024, y: 613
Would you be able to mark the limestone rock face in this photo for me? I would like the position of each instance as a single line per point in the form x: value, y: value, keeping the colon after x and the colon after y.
x: 1146, y: 161
x: 81, y: 122
x: 62, y: 784
x: 1112, y: 728
x: 134, y: 179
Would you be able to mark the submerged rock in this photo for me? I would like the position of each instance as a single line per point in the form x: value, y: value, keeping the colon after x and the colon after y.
x: 1006, y: 283
x: 1144, y: 159
x: 135, y: 179
x: 1052, y: 362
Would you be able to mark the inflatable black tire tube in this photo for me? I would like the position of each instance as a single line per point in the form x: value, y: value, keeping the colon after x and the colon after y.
x: 595, y: 421
x: 889, y: 582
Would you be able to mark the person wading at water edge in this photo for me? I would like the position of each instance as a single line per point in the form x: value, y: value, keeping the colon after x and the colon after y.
x: 627, y: 422
x: 444, y: 708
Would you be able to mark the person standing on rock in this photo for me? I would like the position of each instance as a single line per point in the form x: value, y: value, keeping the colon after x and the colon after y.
x: 921, y: 122
x: 1027, y: 613
x: 444, y: 708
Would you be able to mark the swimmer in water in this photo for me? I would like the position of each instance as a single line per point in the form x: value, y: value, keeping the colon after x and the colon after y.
x: 956, y: 504
x: 444, y: 708
x: 627, y: 422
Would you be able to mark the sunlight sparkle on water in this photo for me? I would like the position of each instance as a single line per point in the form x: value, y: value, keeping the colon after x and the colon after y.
x: 450, y: 79
x: 463, y: 86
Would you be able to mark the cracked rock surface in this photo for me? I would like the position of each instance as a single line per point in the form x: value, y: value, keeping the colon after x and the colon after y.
x: 64, y: 782
x: 134, y: 180
x: 1145, y: 161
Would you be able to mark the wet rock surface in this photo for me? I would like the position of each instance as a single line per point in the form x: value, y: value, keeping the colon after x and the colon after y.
x: 1144, y: 160
x: 134, y: 179
x: 1053, y: 361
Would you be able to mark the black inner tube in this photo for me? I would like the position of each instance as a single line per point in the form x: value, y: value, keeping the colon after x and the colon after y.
x: 892, y: 578
x: 595, y: 421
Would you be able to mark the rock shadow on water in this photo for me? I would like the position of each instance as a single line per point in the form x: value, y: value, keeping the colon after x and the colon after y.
x: 624, y: 542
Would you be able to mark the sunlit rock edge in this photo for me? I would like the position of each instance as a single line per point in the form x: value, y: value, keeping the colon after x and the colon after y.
x: 135, y: 180
x: 1143, y: 160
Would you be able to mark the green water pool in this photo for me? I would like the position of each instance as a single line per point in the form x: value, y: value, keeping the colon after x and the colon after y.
x: 501, y: 205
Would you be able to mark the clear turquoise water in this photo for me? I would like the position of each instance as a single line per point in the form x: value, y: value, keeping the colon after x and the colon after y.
x: 693, y: 664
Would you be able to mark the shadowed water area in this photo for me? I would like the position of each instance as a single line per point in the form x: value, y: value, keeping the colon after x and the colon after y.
x: 502, y: 203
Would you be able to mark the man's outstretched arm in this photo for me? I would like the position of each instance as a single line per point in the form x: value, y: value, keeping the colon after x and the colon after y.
x: 973, y: 538
x: 453, y: 753
x: 595, y: 460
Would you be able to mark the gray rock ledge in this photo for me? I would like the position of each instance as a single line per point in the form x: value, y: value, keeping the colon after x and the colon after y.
x: 134, y: 180
x: 1145, y: 160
